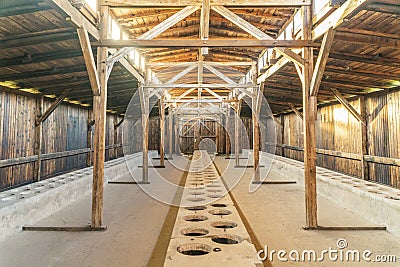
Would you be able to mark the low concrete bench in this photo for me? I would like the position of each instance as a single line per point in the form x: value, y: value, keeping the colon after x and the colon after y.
x: 29, y: 204
x: 377, y: 203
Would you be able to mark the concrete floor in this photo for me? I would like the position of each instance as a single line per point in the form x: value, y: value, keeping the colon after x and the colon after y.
x: 134, y: 220
x: 276, y: 213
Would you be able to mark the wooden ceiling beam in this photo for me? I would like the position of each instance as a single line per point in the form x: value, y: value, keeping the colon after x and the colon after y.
x: 42, y: 73
x: 366, y: 74
x: 39, y: 58
x: 189, y: 43
x: 23, y: 9
x: 384, y: 8
x: 367, y: 59
x: 261, y: 16
x: 366, y: 39
x: 213, y: 19
x: 182, y: 3
x: 38, y: 38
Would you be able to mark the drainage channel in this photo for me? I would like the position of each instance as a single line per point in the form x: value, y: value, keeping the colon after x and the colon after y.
x: 208, y: 230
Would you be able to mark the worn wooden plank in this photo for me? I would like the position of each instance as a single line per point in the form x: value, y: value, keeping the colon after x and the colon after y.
x: 38, y: 140
x: 310, y: 116
x: 322, y: 59
x: 162, y: 132
x: 99, y: 114
x: 89, y: 60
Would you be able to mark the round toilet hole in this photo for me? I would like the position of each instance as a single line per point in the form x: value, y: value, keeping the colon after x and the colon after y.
x: 392, y: 198
x: 224, y: 224
x: 196, y: 199
x: 195, y: 218
x: 194, y: 249
x: 194, y: 231
x: 219, y: 205
x: 215, y: 196
x: 196, y: 193
x: 196, y: 208
x: 213, y: 185
x: 220, y: 212
x: 226, y: 239
x: 214, y: 190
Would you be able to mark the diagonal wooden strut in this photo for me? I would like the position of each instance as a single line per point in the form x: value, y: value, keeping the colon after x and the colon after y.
x: 89, y: 60
x: 348, y: 106
x: 321, y: 61
x: 53, y: 106
x: 296, y: 111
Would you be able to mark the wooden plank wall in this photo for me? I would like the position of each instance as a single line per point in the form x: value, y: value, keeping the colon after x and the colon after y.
x: 293, y: 135
x: 17, y: 122
x: 218, y: 135
x: 338, y: 130
x: 64, y: 130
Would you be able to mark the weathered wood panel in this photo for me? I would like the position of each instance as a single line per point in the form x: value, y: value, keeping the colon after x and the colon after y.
x: 338, y: 130
x: 65, y: 129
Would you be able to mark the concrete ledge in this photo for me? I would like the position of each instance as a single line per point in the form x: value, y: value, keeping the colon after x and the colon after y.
x: 377, y: 203
x: 32, y: 203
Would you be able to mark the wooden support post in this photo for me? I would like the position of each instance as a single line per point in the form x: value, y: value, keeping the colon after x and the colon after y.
x: 310, y: 116
x: 282, y: 135
x: 38, y: 139
x: 162, y: 131
x: 115, y: 149
x: 364, y: 140
x: 170, y: 133
x: 89, y: 139
x: 145, y: 126
x: 237, y: 123
x: 177, y: 125
x: 256, y: 102
x: 227, y: 136
x: 99, y: 113
x: 197, y: 134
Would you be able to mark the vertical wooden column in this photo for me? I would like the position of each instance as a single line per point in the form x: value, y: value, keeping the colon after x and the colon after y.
x: 227, y: 137
x: 38, y: 139
x: 115, y: 133
x: 237, y: 122
x: 256, y: 141
x: 177, y: 125
x: 171, y: 134
x: 145, y: 127
x: 282, y: 135
x: 364, y: 139
x: 255, y: 103
x: 162, y: 131
x: 310, y: 116
x: 89, y: 136
x: 99, y: 113
x: 217, y: 133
